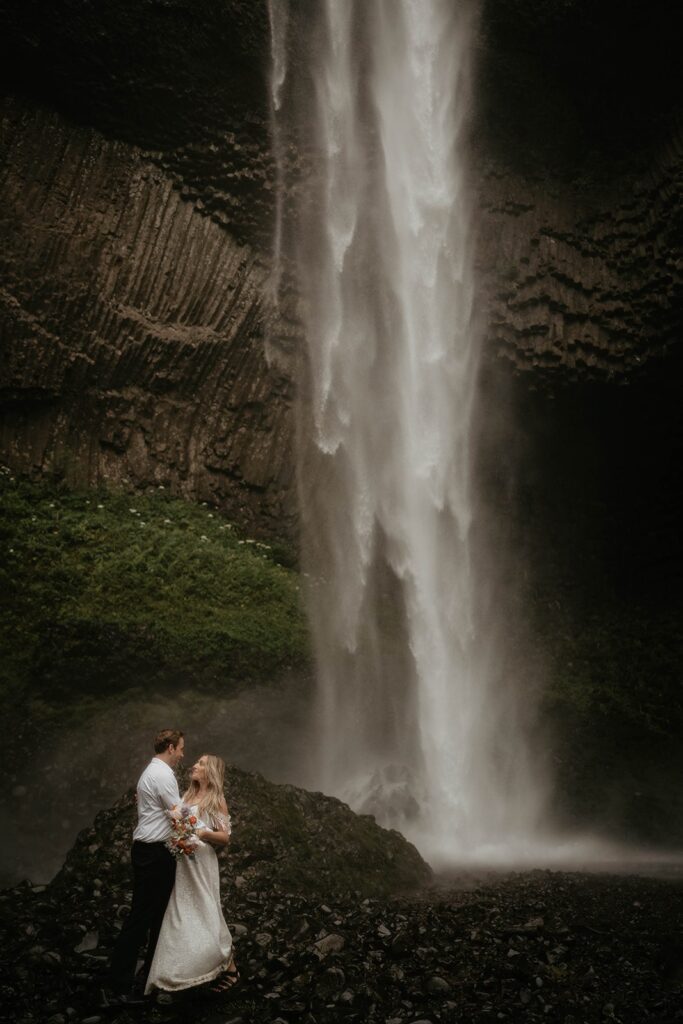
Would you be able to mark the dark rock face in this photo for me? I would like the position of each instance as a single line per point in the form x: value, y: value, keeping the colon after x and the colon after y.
x: 180, y: 79
x: 578, y: 137
x: 132, y: 330
x: 137, y: 248
x: 584, y: 284
x: 132, y: 312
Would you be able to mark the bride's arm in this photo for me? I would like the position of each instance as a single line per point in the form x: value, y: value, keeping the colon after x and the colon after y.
x: 217, y: 837
x: 214, y: 838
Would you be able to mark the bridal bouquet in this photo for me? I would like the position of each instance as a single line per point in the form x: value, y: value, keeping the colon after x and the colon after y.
x: 184, y: 824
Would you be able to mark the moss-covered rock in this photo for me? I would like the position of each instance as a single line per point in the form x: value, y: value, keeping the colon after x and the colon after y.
x: 283, y: 837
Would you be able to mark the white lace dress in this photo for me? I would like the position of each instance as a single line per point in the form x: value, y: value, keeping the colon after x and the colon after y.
x: 195, y: 944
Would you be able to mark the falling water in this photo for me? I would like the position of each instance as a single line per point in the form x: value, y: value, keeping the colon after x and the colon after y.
x: 415, y: 720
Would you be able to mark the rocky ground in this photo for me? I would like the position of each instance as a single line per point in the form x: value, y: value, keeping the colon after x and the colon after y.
x: 336, y: 919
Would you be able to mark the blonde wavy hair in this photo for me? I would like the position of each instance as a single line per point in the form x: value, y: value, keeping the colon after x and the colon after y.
x: 212, y: 802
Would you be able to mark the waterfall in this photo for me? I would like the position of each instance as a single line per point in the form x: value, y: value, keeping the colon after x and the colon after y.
x: 415, y: 719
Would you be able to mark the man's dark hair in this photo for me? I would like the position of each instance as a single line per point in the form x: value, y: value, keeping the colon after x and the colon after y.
x: 165, y: 739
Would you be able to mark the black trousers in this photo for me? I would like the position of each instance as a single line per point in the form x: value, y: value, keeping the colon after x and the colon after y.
x: 153, y: 878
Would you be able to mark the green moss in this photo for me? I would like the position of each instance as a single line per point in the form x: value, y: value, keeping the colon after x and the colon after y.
x: 620, y: 662
x: 615, y: 708
x: 102, y: 591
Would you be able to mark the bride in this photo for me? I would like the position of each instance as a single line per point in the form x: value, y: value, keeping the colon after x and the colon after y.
x: 195, y: 945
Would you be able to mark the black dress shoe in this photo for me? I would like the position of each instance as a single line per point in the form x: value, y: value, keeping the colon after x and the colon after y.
x: 119, y: 1000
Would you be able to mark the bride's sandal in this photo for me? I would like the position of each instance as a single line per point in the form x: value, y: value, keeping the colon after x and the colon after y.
x: 228, y: 980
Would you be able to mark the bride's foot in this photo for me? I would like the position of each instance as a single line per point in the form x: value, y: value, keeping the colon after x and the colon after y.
x: 228, y: 979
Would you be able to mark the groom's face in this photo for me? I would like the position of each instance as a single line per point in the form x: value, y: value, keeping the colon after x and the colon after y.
x: 177, y: 753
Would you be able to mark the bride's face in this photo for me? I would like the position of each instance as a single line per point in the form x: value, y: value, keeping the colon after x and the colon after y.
x: 198, y: 773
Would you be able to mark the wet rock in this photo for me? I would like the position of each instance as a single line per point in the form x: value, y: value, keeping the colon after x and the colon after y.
x: 330, y: 944
x: 352, y: 847
x: 355, y: 974
x: 401, y: 944
x: 302, y: 981
x: 332, y: 981
x: 438, y: 984
x: 87, y: 943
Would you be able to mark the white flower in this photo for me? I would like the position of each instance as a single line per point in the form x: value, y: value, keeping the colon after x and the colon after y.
x: 161, y: 487
x: 33, y: 519
x: 203, y: 537
x: 210, y: 515
x: 51, y: 505
x: 142, y: 524
x: 167, y: 520
x: 133, y: 510
x: 100, y: 506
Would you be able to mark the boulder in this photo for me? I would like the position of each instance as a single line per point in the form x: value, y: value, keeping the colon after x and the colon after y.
x: 283, y: 837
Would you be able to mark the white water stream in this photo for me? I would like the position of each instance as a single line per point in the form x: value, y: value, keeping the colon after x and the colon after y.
x: 416, y: 721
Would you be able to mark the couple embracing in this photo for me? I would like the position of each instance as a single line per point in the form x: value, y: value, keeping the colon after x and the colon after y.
x: 176, y: 902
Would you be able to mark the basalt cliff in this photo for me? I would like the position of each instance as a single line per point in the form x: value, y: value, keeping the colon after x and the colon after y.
x: 138, y: 182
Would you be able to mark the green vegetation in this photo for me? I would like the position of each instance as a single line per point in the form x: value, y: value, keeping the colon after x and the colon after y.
x: 103, y: 593
x: 613, y: 704
x: 621, y: 662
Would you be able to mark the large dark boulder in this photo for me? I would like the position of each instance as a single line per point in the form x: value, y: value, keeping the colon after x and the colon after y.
x: 283, y: 838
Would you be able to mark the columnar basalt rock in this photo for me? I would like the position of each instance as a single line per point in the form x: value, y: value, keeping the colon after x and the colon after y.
x: 584, y: 284
x: 137, y: 218
x: 132, y: 329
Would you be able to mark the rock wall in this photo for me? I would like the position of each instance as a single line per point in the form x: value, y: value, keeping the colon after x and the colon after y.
x: 132, y: 329
x: 584, y: 283
x: 137, y: 216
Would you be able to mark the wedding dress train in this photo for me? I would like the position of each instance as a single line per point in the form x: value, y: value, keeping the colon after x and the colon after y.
x: 195, y: 944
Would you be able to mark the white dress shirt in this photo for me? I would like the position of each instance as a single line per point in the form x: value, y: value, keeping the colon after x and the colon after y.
x: 157, y: 793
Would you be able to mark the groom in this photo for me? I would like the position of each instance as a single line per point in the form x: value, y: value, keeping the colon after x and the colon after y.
x: 153, y: 867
